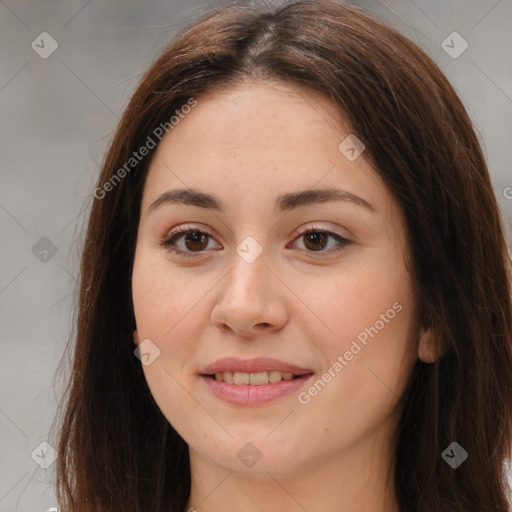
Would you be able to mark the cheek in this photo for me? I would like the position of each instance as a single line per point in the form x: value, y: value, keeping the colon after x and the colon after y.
x: 168, y: 311
x: 369, y: 364
x: 164, y: 298
x: 370, y: 349
x: 165, y: 315
x: 364, y: 291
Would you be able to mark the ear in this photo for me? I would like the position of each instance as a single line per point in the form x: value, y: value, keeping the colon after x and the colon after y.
x: 427, y: 350
x: 136, y: 338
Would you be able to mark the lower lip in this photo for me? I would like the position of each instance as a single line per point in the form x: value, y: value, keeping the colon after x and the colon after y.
x: 242, y: 394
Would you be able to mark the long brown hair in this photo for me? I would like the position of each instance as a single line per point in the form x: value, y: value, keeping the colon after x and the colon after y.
x: 116, y: 449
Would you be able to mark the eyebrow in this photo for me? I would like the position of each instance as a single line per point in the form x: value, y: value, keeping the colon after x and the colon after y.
x: 284, y: 202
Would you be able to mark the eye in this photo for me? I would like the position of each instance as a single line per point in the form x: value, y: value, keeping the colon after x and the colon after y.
x: 193, y: 239
x: 317, y: 239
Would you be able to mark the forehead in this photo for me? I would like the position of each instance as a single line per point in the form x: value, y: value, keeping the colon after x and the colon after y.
x: 256, y: 140
x: 260, y: 115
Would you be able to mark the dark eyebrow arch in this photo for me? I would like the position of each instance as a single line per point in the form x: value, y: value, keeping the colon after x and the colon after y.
x: 284, y: 202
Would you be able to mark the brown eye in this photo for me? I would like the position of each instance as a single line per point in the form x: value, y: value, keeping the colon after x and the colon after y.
x: 187, y: 241
x: 318, y: 239
x: 195, y: 241
x: 315, y: 240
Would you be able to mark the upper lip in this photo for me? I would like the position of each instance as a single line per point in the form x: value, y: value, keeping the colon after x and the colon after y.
x: 258, y: 364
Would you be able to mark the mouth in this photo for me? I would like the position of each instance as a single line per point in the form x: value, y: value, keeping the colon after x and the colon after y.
x: 248, y: 382
x: 255, y: 378
x: 246, y: 395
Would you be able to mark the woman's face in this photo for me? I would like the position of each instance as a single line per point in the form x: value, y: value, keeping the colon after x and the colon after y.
x: 259, y: 279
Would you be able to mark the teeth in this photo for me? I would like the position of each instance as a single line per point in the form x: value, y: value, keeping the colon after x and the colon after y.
x: 255, y: 379
x: 241, y: 378
x: 274, y: 376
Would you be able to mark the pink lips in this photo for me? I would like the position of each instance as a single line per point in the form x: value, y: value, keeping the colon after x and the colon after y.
x: 241, y: 394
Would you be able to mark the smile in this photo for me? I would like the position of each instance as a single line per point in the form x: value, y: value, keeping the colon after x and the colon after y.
x: 254, y: 379
x: 253, y: 394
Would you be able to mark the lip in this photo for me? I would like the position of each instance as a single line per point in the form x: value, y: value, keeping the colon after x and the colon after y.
x: 246, y: 394
x: 258, y: 364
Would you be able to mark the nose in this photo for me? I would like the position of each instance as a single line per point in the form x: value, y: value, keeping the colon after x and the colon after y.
x: 251, y: 299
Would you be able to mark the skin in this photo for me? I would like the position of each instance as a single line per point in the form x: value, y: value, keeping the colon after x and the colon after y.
x: 247, y: 144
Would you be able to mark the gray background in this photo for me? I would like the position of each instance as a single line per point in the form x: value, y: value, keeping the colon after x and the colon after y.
x: 57, y: 116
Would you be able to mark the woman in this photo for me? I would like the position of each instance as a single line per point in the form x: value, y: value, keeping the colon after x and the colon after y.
x: 295, y: 288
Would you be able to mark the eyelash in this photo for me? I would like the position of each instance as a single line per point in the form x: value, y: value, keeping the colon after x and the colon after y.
x: 169, y: 240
